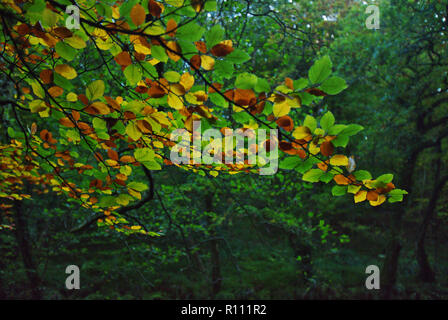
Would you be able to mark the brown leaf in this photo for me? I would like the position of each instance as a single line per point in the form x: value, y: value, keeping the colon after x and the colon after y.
x: 200, y: 45
x: 244, y: 97
x: 112, y: 154
x: 326, y: 148
x: 171, y: 27
x: 46, y: 76
x: 123, y: 59
x: 154, y: 8
x: 138, y: 14
x: 221, y: 50
x: 285, y: 122
x: 195, y: 62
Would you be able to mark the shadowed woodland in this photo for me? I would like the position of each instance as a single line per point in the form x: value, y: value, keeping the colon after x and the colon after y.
x: 161, y: 231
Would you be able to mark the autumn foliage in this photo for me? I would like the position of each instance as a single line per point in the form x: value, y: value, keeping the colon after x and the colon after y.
x: 95, y: 106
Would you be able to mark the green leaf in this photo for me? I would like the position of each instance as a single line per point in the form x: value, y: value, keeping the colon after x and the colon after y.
x: 159, y: 53
x: 95, y: 90
x: 397, y: 192
x: 336, y: 129
x: 300, y: 83
x: 362, y: 175
x: 133, y: 132
x: 310, y: 122
x: 312, y: 175
x: 172, y: 76
x: 107, y: 201
x: 339, y: 190
x: 320, y: 70
x: 224, y: 68
x: 214, y: 36
x: 152, y: 165
x: 217, y: 99
x: 137, y: 186
x: 246, y: 81
x: 352, y: 129
x: 133, y: 74
x: 65, y: 51
x: 386, y: 178
x: 99, y: 124
x: 340, y: 141
x: 333, y: 85
x: 327, y: 121
x: 290, y: 163
x: 326, y: 177
x: 124, y: 199
x: 144, y: 154
x: 238, y: 56
x: 262, y: 85
x: 189, y: 32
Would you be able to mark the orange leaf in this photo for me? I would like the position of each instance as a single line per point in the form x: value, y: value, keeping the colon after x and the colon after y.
x: 341, y: 179
x: 123, y: 59
x: 127, y: 159
x: 46, y: 76
x: 171, y: 27
x: 195, y: 62
x: 138, y: 14
x: 200, y: 45
x: 76, y: 115
x: 326, y: 148
x: 174, y: 47
x: 66, y: 122
x: 55, y: 91
x: 112, y: 154
x: 372, y: 195
x: 289, y: 83
x: 244, y: 97
x: 285, y: 122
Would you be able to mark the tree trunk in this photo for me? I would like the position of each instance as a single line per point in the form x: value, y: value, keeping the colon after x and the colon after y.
x: 216, y: 277
x: 22, y: 237
x: 426, y: 274
x: 393, y: 248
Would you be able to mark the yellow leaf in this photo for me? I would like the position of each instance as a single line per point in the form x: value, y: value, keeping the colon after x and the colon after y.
x: 281, y: 109
x: 133, y: 132
x: 187, y: 81
x: 207, y: 62
x: 135, y: 194
x: 66, y: 71
x: 101, y: 107
x: 174, y: 101
x: 76, y: 42
x: 353, y: 189
x: 381, y: 199
x: 314, y: 148
x: 158, y: 144
x: 360, y: 196
x: 214, y: 173
x: 339, y: 160
x: 72, y: 97
x: 301, y: 132
x: 111, y: 162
